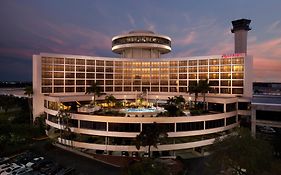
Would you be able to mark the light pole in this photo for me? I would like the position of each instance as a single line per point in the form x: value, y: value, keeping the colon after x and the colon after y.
x: 157, y: 101
x: 189, y: 100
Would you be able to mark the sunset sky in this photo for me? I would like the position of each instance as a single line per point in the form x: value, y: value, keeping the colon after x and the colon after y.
x: 85, y: 27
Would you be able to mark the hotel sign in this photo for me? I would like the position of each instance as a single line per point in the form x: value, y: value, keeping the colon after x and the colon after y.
x: 233, y: 55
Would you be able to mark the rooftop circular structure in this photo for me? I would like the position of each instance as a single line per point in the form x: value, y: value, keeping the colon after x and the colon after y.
x: 141, y: 44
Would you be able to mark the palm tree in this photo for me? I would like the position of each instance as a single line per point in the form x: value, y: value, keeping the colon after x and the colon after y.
x: 179, y: 101
x: 110, y: 99
x: 94, y: 89
x: 194, y: 89
x: 150, y: 136
x: 64, y: 117
x: 29, y: 92
x: 204, y: 87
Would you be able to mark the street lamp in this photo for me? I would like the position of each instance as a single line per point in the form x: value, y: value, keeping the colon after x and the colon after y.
x: 157, y: 101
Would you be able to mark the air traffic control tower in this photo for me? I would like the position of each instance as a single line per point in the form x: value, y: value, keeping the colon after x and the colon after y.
x: 240, y: 30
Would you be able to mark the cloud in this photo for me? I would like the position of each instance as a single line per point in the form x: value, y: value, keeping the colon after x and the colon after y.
x: 267, y: 63
x: 187, y: 39
x: 132, y: 21
x: 275, y: 27
x: 149, y: 25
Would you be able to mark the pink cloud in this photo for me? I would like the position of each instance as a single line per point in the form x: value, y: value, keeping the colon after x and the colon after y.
x: 267, y: 62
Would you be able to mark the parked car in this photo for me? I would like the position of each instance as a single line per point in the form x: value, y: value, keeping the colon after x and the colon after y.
x: 267, y: 129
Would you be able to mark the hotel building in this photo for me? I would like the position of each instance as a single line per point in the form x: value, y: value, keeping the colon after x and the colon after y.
x: 60, y: 78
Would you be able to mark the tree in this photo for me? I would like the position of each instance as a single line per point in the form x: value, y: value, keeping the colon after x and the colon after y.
x: 194, y: 89
x: 110, y: 99
x: 94, y: 89
x: 64, y: 118
x: 174, y: 105
x: 179, y: 101
x: 150, y: 136
x: 204, y: 87
x: 240, y: 153
x: 29, y: 92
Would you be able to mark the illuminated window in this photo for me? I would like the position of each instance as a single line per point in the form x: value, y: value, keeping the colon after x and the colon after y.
x: 213, y: 76
x: 214, y: 61
x: 214, y: 69
x: 225, y: 61
x: 237, y: 68
x: 192, y: 62
x: 225, y: 68
x: 192, y: 76
x: 203, y: 62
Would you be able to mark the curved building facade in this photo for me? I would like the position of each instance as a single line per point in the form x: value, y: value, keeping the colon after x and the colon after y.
x: 64, y: 79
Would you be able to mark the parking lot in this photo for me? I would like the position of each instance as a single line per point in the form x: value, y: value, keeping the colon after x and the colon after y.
x: 31, y: 163
x: 49, y: 160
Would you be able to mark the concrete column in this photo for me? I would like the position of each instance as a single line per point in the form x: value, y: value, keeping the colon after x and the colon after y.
x: 253, y: 121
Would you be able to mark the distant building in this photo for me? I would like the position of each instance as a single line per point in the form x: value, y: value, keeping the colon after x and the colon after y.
x: 266, y: 109
x: 60, y: 78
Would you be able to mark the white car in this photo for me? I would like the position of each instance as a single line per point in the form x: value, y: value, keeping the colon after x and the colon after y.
x: 267, y: 129
x: 22, y: 170
x: 10, y: 169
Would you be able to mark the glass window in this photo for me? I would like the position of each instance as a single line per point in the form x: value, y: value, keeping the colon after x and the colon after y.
x: 230, y: 120
x: 93, y: 125
x: 192, y: 76
x: 214, y: 69
x: 203, y: 76
x: 99, y: 62
x: 237, y: 83
x: 237, y: 91
x: 69, y: 68
x: 226, y: 83
x: 80, y: 62
x: 238, y: 68
x: 90, y: 62
x: 69, y: 61
x: 225, y: 68
x: 192, y: 62
x: 214, y: 123
x: 192, y: 69
x: 225, y: 76
x: 238, y: 60
x: 225, y: 61
x: 183, y: 63
x: 244, y: 105
x: 214, y: 61
x: 225, y: 90
x: 230, y: 107
x: 214, y: 83
x: 58, y: 75
x: 237, y: 76
x: 109, y: 63
x: 213, y: 76
x: 58, y: 89
x: 190, y: 126
x: 203, y: 62
x: 80, y: 68
x: 59, y: 61
x: 203, y: 69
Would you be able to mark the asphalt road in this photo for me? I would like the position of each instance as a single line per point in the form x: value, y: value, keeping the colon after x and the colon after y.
x: 82, y: 165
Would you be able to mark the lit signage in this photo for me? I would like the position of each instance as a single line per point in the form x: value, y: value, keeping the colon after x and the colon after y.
x: 233, y: 55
